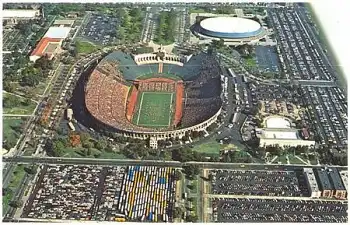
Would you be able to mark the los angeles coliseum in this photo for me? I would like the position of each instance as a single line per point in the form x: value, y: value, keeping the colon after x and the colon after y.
x: 156, y: 95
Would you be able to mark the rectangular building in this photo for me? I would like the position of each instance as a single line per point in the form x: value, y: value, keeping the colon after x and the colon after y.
x: 12, y: 16
x: 64, y: 23
x: 339, y: 189
x: 344, y: 177
x: 324, y: 183
x: 312, y: 183
x: 46, y: 47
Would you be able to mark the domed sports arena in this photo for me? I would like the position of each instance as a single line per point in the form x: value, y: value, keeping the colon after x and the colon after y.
x: 155, y: 95
x: 231, y: 29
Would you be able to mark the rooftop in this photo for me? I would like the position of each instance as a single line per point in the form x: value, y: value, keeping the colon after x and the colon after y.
x: 64, y: 22
x: 323, y: 180
x: 277, y: 122
x: 336, y: 179
x: 41, y: 47
x: 19, y: 13
x: 58, y: 32
x: 278, y: 133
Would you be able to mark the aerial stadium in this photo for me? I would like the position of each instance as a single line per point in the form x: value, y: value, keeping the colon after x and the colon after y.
x: 155, y: 95
x: 232, y: 30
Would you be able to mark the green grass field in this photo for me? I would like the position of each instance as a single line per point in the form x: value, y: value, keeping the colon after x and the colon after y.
x: 154, y: 109
x: 11, y: 130
x: 85, y: 47
x: 18, y: 106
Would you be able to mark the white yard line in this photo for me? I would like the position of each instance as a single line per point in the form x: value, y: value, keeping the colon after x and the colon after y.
x: 138, y: 117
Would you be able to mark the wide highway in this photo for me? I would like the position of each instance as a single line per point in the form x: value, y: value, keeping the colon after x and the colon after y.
x: 131, y: 162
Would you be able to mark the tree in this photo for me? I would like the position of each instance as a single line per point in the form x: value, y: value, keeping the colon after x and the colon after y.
x: 29, y: 170
x: 178, y: 212
x: 16, y: 203
x: 9, y: 86
x: 191, y: 218
x: 191, y: 170
x: 178, y: 175
x: 89, y: 151
x: 87, y: 144
x: 101, y: 144
x: 58, y: 147
x: 191, y: 186
x: 44, y: 63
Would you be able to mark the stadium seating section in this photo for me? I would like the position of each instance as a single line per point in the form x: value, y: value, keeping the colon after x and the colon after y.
x: 197, y: 97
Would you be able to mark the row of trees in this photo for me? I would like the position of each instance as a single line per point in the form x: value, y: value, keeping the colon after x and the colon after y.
x: 165, y: 33
x: 131, y: 24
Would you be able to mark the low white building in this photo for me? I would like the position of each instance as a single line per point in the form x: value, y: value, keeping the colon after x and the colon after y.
x: 278, y: 131
x: 312, y: 183
x: 12, y: 16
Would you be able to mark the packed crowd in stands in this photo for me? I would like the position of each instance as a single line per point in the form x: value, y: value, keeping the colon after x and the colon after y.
x: 106, y: 100
x: 202, y: 98
x: 106, y: 97
x: 110, y: 68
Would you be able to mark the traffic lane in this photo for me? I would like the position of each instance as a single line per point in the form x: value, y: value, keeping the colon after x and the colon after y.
x: 118, y: 162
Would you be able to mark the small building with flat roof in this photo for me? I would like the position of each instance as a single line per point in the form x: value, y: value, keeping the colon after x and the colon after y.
x: 339, y: 189
x: 58, y: 32
x: 12, y: 16
x: 324, y: 183
x: 312, y: 183
x: 63, y: 23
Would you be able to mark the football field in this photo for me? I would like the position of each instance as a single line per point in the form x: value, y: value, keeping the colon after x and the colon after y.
x: 154, y: 109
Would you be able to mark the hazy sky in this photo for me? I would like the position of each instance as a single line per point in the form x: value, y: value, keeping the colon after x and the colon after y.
x: 335, y: 16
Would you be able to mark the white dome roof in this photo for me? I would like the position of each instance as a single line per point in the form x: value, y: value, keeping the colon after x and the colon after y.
x: 230, y: 25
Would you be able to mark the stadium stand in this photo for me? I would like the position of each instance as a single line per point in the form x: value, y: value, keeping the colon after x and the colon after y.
x: 197, y: 96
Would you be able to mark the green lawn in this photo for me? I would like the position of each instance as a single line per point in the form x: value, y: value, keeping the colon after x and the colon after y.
x: 21, y: 106
x: 294, y: 160
x: 210, y: 147
x: 17, y: 176
x: 194, y: 183
x: 85, y: 47
x: 154, y: 109
x: 198, y: 11
x: 11, y: 130
x: 75, y: 153
x: 251, y: 62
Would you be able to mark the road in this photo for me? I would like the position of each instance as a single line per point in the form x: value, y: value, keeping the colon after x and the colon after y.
x: 131, y: 162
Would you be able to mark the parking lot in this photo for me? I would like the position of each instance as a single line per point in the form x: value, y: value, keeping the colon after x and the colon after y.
x: 257, y: 182
x: 267, y: 59
x: 101, y: 29
x: 103, y: 193
x: 273, y: 210
x: 12, y: 38
x: 304, y: 60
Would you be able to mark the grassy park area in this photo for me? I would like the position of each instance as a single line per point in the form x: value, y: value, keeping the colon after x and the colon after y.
x: 13, y: 104
x: 85, y: 47
x: 12, y: 129
x: 17, y: 176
